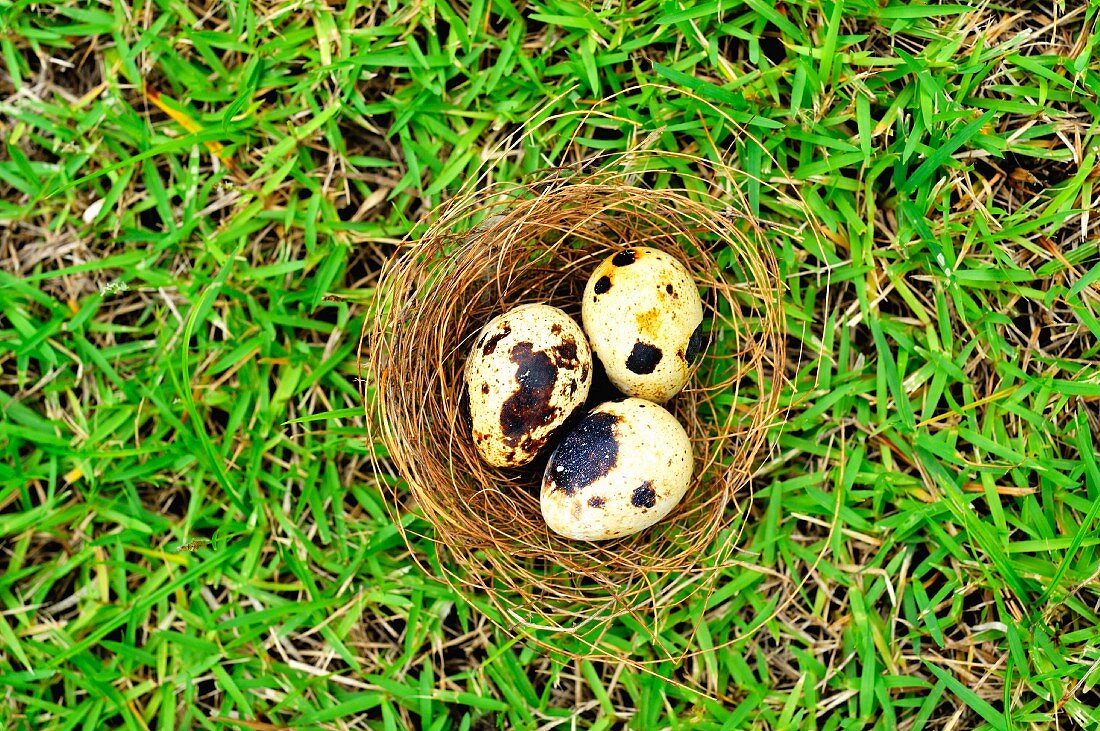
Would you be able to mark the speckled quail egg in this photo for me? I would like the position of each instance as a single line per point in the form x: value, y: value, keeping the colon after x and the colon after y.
x: 622, y: 468
x: 644, y: 317
x: 530, y: 369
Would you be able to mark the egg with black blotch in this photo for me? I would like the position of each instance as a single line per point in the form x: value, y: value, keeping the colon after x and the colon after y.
x: 623, y: 467
x: 529, y: 371
x: 644, y: 318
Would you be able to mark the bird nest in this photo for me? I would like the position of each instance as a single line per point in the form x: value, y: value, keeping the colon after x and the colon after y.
x: 509, y: 244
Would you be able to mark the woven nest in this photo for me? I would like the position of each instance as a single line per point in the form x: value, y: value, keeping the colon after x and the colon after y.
x: 506, y: 245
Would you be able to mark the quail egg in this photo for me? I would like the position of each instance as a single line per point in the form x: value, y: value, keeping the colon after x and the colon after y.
x: 644, y: 317
x: 530, y: 369
x: 623, y: 467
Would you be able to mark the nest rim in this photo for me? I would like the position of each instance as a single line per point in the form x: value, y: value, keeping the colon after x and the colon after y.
x: 541, y: 582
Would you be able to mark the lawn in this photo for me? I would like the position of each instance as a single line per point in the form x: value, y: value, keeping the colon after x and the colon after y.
x: 196, y: 199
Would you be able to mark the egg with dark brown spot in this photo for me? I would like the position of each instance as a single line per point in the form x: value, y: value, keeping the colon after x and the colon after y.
x: 528, y: 372
x: 623, y: 467
x: 643, y: 316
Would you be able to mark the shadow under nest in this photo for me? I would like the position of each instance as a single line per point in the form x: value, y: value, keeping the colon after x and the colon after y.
x: 510, y: 244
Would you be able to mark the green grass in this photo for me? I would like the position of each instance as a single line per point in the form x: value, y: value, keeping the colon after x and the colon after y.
x: 193, y: 203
